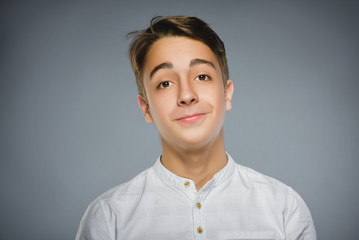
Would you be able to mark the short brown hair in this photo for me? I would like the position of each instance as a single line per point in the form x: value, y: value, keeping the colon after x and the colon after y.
x: 160, y: 27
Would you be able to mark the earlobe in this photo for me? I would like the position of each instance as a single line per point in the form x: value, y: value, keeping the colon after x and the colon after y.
x: 228, y: 93
x: 142, y: 102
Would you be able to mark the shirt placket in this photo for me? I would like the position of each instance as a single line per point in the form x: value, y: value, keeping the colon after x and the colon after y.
x: 196, y: 199
x: 198, y: 208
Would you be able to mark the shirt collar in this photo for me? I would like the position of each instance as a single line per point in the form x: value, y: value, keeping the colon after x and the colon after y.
x: 186, y: 184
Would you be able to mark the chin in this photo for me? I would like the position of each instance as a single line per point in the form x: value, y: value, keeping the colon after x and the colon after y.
x: 196, y: 141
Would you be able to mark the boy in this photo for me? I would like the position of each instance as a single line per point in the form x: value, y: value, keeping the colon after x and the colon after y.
x: 195, y: 190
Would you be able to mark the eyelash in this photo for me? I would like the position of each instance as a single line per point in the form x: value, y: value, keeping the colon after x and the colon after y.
x: 204, y: 75
x: 160, y: 85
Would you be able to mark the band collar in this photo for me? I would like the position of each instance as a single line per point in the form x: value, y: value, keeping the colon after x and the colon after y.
x: 185, y: 184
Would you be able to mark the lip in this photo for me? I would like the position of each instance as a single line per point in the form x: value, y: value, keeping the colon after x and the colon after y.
x: 193, y: 118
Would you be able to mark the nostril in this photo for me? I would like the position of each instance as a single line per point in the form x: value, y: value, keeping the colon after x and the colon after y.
x: 185, y: 102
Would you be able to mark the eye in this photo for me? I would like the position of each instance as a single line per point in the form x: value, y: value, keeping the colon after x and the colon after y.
x: 203, y: 77
x: 164, y: 84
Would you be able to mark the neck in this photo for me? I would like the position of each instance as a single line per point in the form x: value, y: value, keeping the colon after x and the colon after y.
x: 197, y: 164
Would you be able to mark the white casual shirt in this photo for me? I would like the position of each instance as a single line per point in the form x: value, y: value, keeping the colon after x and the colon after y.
x: 237, y: 203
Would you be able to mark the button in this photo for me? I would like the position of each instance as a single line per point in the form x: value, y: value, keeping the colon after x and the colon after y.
x: 198, y: 205
x: 186, y: 184
x: 200, y: 230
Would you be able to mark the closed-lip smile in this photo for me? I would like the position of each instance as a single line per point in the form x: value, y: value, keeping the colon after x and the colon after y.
x: 192, y: 118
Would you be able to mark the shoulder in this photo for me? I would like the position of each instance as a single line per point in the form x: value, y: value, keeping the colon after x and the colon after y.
x: 296, y: 214
x: 268, y: 187
x: 100, y: 214
x: 127, y: 189
x: 255, y: 180
x: 117, y: 196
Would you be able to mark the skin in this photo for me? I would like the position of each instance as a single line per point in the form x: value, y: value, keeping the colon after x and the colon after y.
x: 187, y: 101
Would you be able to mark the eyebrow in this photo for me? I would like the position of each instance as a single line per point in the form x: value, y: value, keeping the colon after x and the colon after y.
x: 168, y: 65
x: 198, y: 61
x: 161, y: 66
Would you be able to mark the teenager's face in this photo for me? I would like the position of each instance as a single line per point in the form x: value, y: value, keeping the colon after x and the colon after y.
x: 186, y: 98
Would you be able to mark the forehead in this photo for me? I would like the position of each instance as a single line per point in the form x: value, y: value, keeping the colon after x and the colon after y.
x: 179, y: 51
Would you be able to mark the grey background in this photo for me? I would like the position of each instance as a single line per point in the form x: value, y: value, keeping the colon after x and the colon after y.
x: 70, y: 127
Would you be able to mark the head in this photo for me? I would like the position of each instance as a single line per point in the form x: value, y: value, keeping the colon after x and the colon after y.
x: 180, y: 26
x: 183, y: 83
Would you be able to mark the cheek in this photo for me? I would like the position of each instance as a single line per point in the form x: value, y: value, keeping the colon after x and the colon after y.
x: 160, y: 107
x: 214, y: 97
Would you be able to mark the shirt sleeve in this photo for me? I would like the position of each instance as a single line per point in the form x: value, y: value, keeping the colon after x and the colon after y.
x: 94, y: 225
x: 298, y: 222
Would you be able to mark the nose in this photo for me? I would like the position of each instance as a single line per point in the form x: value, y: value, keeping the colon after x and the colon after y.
x: 187, y: 95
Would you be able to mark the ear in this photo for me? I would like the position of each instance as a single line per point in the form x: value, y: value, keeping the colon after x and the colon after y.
x: 142, y: 102
x: 228, y: 93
